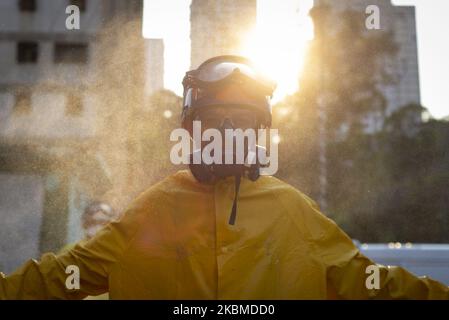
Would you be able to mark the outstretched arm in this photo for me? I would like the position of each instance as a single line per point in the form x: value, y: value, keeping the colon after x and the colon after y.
x: 46, y: 279
x: 349, y: 281
x: 348, y: 270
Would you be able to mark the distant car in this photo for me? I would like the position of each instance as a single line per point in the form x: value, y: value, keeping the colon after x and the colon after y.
x: 422, y: 259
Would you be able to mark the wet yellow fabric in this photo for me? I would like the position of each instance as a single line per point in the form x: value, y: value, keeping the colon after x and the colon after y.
x: 103, y: 296
x: 174, y: 242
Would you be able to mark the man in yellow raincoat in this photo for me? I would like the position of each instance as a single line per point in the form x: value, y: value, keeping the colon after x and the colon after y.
x: 218, y: 232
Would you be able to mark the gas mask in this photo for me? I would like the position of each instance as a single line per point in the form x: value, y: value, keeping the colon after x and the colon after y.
x: 209, y: 173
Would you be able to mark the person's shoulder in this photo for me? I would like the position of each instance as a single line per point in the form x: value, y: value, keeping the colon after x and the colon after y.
x: 286, y: 192
x: 166, y: 189
x: 303, y: 211
x: 181, y: 181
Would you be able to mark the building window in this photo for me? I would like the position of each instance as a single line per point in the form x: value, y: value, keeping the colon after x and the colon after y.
x: 74, y: 105
x: 27, y: 5
x: 71, y: 53
x: 27, y: 52
x: 81, y: 4
x: 22, y: 104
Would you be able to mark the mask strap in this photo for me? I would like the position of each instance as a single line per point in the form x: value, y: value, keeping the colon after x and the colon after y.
x: 234, y: 205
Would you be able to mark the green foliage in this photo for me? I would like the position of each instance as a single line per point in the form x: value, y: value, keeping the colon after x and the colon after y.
x: 397, y: 186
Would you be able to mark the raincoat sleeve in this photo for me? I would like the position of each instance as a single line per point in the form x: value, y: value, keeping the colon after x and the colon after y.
x: 349, y: 275
x: 46, y: 279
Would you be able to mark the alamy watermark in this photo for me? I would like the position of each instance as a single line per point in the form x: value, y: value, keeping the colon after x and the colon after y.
x: 72, y: 22
x: 212, y: 153
x: 72, y: 281
x: 372, y: 22
x: 373, y: 280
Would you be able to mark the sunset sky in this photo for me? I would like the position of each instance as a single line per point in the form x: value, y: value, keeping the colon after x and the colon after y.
x: 279, y: 24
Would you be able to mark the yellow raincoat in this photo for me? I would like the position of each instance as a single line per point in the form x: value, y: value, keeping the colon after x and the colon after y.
x: 174, y: 242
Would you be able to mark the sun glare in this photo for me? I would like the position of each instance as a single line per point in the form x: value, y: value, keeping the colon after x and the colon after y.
x: 278, y: 43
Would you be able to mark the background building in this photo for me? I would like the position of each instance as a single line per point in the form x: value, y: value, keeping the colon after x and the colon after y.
x: 218, y: 27
x: 401, y: 21
x: 155, y: 65
x: 54, y: 125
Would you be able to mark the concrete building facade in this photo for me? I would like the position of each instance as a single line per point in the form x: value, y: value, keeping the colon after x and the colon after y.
x: 52, y: 119
x: 155, y: 65
x: 219, y: 27
x: 401, y: 21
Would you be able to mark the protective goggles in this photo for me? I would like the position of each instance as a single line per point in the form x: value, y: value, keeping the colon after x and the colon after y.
x: 218, y: 118
x: 229, y: 81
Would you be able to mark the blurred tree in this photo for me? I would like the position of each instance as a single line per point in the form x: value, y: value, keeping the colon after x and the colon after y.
x: 416, y: 200
x: 389, y: 185
x: 394, y: 185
